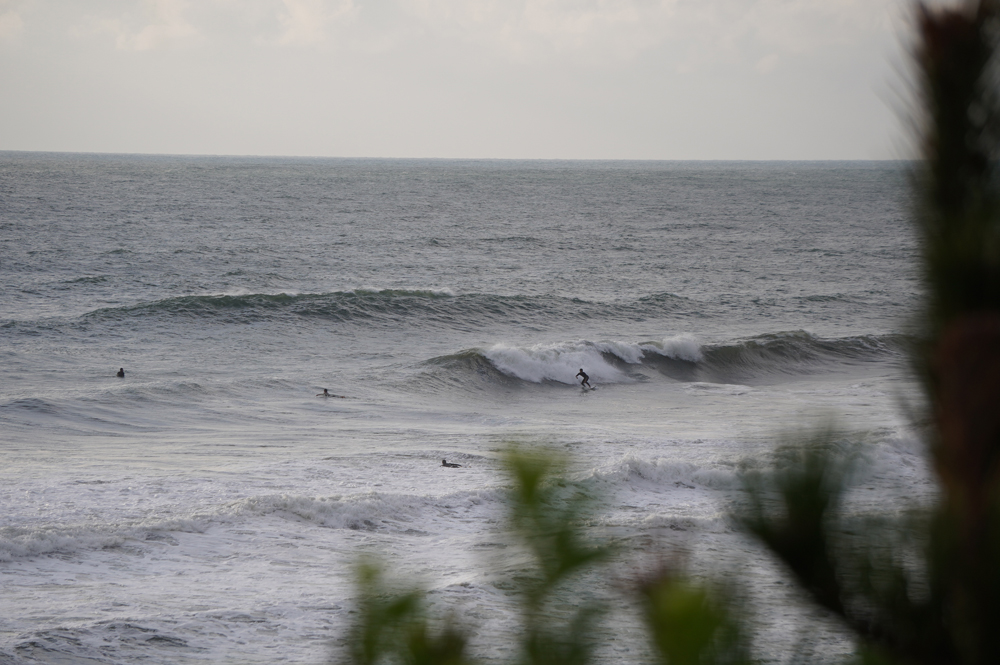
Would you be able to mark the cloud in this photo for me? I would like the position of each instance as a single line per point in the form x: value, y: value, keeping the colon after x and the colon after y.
x: 767, y: 63
x: 692, y: 33
x: 525, y: 29
x: 696, y: 31
x: 797, y: 26
x: 11, y: 24
x: 571, y: 78
x: 306, y: 22
x: 160, y: 24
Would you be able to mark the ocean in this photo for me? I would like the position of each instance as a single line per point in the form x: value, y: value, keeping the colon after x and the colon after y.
x: 209, y: 507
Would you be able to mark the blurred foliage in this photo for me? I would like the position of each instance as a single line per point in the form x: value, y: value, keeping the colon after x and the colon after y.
x: 687, y: 623
x: 793, y: 512
x: 392, y: 627
x: 924, y: 589
x: 691, y: 624
x: 546, y: 512
x: 919, y: 589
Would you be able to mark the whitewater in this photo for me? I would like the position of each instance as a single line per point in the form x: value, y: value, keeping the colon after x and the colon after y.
x: 209, y: 507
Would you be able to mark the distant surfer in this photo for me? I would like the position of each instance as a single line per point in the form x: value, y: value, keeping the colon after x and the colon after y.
x: 450, y: 465
x: 327, y: 393
x: 584, y: 379
x: 121, y: 373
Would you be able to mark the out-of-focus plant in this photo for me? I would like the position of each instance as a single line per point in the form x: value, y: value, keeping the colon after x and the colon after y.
x: 960, y: 360
x: 392, y: 627
x: 922, y: 589
x: 691, y: 624
x: 559, y: 619
x: 546, y: 512
x: 925, y: 591
x: 794, y: 512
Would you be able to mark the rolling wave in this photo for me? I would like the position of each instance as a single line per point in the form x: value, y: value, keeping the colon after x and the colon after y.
x: 387, y: 308
x: 375, y: 307
x: 798, y: 352
x: 368, y: 511
x: 681, y: 358
x: 386, y: 512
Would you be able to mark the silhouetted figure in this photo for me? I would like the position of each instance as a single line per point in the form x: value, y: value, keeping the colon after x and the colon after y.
x: 585, y: 382
x: 121, y: 373
x: 450, y: 465
x: 327, y: 393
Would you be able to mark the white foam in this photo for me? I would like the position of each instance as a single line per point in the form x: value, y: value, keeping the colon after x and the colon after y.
x: 19, y: 543
x: 366, y: 510
x: 360, y: 511
x: 667, y: 472
x: 680, y: 347
x: 555, y: 362
x: 630, y: 353
x: 701, y: 388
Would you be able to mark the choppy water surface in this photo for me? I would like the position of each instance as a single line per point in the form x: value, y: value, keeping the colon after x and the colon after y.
x: 208, y: 506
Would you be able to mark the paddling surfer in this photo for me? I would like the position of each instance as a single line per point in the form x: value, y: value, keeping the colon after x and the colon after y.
x: 121, y: 373
x: 327, y: 393
x: 450, y: 465
x: 584, y: 379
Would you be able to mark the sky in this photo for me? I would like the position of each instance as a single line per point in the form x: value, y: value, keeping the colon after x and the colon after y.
x: 510, y: 79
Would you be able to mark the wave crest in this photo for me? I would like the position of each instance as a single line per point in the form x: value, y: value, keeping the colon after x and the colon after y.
x: 681, y: 358
x: 391, y: 305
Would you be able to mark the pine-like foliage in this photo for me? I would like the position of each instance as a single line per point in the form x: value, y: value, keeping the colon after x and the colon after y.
x: 927, y: 589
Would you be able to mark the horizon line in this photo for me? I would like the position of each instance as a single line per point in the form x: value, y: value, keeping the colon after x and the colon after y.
x: 442, y: 159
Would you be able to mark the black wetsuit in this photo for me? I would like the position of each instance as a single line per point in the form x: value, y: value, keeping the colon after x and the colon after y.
x: 586, y: 379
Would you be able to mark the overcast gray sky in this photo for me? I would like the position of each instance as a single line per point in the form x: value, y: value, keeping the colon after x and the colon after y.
x: 573, y: 79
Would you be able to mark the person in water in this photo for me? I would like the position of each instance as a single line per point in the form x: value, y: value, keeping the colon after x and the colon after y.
x: 121, y: 373
x: 327, y: 393
x: 585, y: 380
x: 451, y: 465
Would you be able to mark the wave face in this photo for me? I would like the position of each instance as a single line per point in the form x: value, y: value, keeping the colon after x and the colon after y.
x: 680, y: 358
x: 799, y: 351
x: 379, y: 308
x: 474, y: 312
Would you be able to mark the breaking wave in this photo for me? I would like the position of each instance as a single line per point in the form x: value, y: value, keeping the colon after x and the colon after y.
x: 681, y: 358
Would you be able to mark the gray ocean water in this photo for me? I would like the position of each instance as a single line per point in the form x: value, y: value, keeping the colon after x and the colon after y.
x: 208, y: 506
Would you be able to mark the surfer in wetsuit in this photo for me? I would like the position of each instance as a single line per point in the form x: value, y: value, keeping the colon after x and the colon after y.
x: 121, y: 373
x: 327, y: 393
x: 585, y: 380
x: 451, y: 465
